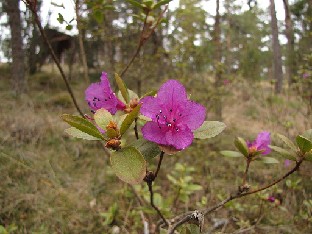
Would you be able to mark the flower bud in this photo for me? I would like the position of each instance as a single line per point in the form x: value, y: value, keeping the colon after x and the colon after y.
x: 150, y: 20
x: 113, y: 144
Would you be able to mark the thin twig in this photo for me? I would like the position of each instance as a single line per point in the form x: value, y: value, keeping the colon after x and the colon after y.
x: 246, y: 171
x: 150, y: 188
x: 149, y: 179
x: 136, y: 128
x: 143, y: 38
x: 161, y: 156
x: 188, y: 216
x: 32, y: 8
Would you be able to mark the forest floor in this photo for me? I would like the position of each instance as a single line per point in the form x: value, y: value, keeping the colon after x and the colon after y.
x: 52, y: 183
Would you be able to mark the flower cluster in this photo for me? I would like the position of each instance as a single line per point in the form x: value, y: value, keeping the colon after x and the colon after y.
x: 174, y: 117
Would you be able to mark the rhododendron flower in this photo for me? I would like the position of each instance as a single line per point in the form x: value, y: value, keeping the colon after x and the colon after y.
x: 271, y: 199
x: 226, y: 82
x: 287, y: 163
x: 261, y: 144
x: 100, y: 95
x: 174, y: 116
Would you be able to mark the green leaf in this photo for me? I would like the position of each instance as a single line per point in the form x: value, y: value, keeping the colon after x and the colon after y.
x: 60, y: 18
x: 194, y: 187
x: 129, y: 119
x: 135, y: 4
x: 129, y: 165
x: 147, y: 148
x: 231, y: 154
x: 268, y: 160
x: 109, y: 7
x: 122, y: 87
x: 111, y: 133
x: 160, y: 3
x: 132, y: 95
x: 148, y: 3
x: 287, y: 141
x: 102, y: 118
x: 285, y: 153
x: 190, y: 229
x: 150, y: 93
x: 74, y: 132
x: 69, y: 27
x: 209, y: 129
x: 83, y: 125
x: 304, y: 144
x: 308, y: 134
x: 241, y: 145
x: 308, y: 157
x: 98, y: 16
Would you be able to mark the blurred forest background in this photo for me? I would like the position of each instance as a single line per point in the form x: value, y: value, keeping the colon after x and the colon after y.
x: 250, y: 70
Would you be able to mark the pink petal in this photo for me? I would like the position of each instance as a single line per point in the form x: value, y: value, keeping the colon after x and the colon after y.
x: 150, y: 107
x: 172, y: 93
x: 193, y: 115
x: 262, y: 142
x: 180, y: 139
x: 105, y: 83
x: 100, y: 95
x: 152, y: 132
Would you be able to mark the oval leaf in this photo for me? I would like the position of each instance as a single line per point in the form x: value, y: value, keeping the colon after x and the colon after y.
x: 102, y: 117
x: 74, y: 132
x: 285, y: 153
x: 268, y: 160
x: 241, y: 145
x: 147, y: 148
x: 135, y: 3
x: 209, y: 129
x: 287, y: 141
x: 122, y: 87
x: 129, y: 119
x: 231, y: 154
x: 83, y: 125
x: 304, y: 144
x: 129, y: 165
x: 308, y: 134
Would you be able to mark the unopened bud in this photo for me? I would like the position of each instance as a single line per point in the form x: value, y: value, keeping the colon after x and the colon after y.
x: 112, y: 125
x: 113, y: 144
x: 150, y: 20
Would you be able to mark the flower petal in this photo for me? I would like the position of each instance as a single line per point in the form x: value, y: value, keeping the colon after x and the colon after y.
x: 105, y: 83
x: 262, y: 142
x: 172, y: 93
x: 150, y: 107
x: 100, y: 95
x: 193, y: 115
x: 179, y: 139
x: 152, y: 132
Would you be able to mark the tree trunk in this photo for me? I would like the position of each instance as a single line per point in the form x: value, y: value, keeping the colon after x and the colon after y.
x: 11, y: 7
x: 291, y: 62
x: 277, y: 57
x: 217, y: 62
x: 81, y: 46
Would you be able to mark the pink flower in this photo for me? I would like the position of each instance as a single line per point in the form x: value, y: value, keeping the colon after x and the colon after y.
x: 174, y: 116
x: 261, y: 144
x: 287, y: 163
x: 100, y: 95
x: 305, y: 75
x: 271, y: 199
x: 226, y: 82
